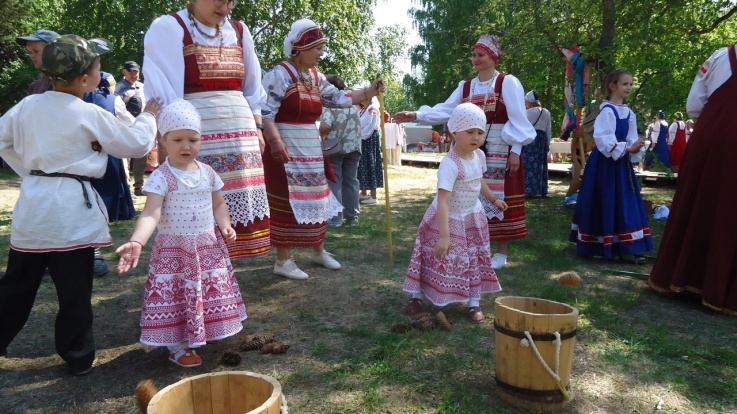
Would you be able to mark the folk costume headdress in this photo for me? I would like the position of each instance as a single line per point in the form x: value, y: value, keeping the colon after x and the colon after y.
x: 179, y: 114
x: 466, y: 116
x: 490, y: 45
x: 304, y: 34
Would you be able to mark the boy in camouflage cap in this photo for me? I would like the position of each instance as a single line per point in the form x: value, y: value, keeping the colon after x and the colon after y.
x: 57, y: 143
x: 69, y: 56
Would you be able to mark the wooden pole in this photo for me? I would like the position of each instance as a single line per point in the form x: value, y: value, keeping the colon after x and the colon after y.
x: 387, y: 204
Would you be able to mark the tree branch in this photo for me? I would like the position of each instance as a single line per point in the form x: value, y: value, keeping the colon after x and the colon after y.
x: 714, y: 25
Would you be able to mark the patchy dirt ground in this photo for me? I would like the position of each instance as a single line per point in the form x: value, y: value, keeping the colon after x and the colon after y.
x: 309, y: 315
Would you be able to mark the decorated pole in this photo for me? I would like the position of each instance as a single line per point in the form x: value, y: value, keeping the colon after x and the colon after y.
x: 387, y: 204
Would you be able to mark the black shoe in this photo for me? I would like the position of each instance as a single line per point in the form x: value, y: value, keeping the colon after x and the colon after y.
x: 3, y: 352
x: 100, y: 269
x: 84, y: 371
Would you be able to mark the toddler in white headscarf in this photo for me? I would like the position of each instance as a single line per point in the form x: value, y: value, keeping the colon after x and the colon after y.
x: 451, y: 261
x: 191, y: 295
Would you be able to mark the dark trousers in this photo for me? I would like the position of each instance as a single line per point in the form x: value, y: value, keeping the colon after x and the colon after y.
x: 138, y: 168
x: 71, y: 272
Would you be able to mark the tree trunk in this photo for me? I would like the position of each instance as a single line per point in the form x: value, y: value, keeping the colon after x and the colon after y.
x: 605, y: 62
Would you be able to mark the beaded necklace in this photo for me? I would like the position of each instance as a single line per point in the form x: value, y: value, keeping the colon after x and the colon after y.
x: 489, y: 85
x: 218, y: 32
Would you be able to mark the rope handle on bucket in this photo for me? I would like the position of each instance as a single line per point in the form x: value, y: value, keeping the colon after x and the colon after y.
x: 284, y: 408
x: 529, y: 342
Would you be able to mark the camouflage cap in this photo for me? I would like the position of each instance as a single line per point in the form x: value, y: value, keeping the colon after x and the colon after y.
x: 69, y: 56
x: 37, y: 36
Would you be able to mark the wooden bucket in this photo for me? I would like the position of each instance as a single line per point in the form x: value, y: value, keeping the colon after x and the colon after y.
x: 227, y: 392
x: 522, y: 380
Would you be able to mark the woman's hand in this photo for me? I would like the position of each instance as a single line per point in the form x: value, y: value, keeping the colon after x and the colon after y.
x: 500, y: 204
x: 153, y: 106
x: 279, y: 151
x: 442, y: 247
x: 228, y: 234
x: 261, y: 142
x: 513, y: 164
x: 129, y: 252
x: 405, y: 116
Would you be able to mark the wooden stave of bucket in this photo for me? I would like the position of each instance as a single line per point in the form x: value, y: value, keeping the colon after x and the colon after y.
x: 521, y: 379
x: 226, y: 392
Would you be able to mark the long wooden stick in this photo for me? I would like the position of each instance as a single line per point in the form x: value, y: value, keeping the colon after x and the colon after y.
x: 387, y: 204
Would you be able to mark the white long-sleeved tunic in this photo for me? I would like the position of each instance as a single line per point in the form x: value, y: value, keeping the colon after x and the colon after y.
x: 53, y: 132
x: 163, y: 62
x: 712, y: 74
x: 516, y: 132
x: 604, y: 132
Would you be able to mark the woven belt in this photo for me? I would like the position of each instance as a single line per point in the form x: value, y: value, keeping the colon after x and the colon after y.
x: 80, y: 179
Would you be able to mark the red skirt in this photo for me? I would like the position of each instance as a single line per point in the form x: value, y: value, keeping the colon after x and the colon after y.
x: 285, y: 230
x: 513, y: 226
x: 698, y: 255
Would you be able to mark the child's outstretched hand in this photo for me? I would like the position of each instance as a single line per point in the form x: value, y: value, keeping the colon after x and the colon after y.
x: 228, y: 234
x: 129, y: 254
x: 442, y: 247
x: 500, y: 204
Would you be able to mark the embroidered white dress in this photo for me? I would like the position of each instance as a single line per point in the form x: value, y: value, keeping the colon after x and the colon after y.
x: 191, y: 293
x: 466, y: 272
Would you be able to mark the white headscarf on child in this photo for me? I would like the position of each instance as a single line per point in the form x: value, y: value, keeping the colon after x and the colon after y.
x: 179, y: 114
x: 466, y: 116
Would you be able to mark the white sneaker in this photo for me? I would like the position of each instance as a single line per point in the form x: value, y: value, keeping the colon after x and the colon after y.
x: 362, y: 197
x: 369, y: 200
x: 326, y: 259
x: 498, y: 261
x: 290, y: 270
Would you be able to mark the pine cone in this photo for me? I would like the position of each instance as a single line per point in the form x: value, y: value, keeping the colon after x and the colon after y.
x: 443, y: 322
x: 252, y: 345
x: 419, y: 316
x: 253, y: 342
x: 230, y: 359
x: 401, y: 327
x: 424, y: 324
x: 280, y: 348
x: 265, y: 337
x: 274, y: 348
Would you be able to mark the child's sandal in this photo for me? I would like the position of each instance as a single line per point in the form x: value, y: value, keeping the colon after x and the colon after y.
x: 475, y: 315
x: 186, y: 358
x: 414, y: 307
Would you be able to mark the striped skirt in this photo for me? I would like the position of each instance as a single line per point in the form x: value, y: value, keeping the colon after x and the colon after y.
x: 230, y: 146
x: 511, y: 189
x: 299, y: 197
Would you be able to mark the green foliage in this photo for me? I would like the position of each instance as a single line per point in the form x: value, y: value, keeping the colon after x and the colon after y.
x: 351, y: 51
x: 661, y: 42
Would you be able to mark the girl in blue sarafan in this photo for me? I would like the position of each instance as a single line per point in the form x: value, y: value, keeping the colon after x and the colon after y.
x: 610, y: 219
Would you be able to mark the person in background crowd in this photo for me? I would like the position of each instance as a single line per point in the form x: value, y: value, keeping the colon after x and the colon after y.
x: 127, y: 88
x: 658, y: 142
x: 34, y: 44
x: 343, y: 124
x: 689, y: 129
x: 676, y: 141
x: 371, y: 167
x: 535, y: 154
